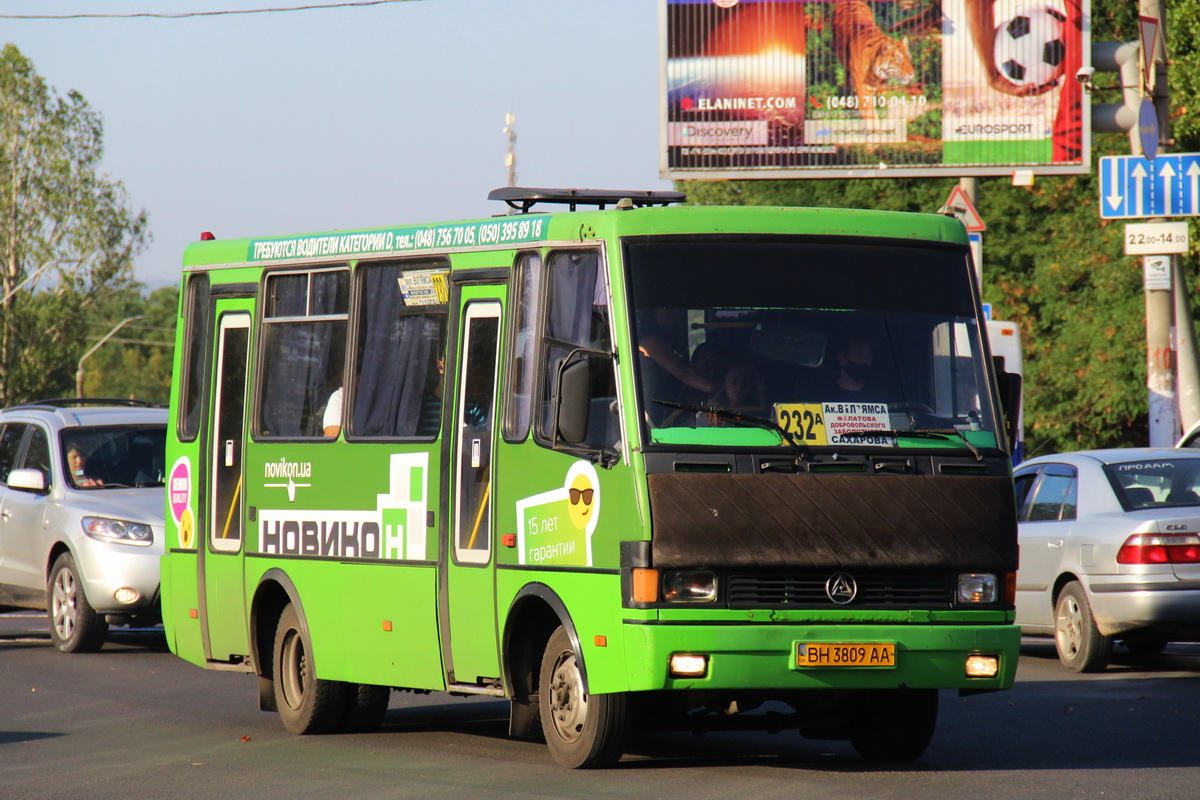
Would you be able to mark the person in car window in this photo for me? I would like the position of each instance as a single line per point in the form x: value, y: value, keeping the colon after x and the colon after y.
x: 77, y: 467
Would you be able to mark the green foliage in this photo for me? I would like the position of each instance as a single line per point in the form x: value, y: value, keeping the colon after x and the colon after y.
x: 136, y: 361
x: 1050, y: 263
x: 67, y: 237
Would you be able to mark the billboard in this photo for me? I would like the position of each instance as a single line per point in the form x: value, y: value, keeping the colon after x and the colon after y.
x: 852, y: 88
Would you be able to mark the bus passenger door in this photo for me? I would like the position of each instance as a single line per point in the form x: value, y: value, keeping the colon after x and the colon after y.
x: 221, y: 566
x: 471, y: 588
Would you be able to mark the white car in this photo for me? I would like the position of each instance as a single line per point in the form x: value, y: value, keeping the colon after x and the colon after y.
x: 1110, y: 551
x: 81, y: 515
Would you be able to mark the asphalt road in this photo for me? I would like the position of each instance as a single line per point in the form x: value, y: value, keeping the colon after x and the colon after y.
x: 134, y: 721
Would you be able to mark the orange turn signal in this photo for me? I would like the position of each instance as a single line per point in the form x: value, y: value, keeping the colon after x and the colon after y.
x: 645, y: 585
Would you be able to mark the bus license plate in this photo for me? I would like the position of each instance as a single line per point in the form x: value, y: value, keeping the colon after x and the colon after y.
x: 846, y: 654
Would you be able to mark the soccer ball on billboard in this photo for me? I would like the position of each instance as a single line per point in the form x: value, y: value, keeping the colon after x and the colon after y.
x: 1029, y: 47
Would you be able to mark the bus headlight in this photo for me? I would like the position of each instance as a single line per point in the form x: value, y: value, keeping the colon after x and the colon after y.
x: 118, y: 531
x: 976, y: 587
x: 689, y: 586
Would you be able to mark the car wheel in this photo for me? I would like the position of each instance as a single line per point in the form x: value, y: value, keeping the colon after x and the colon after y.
x: 306, y: 703
x: 75, y: 627
x: 1081, y: 647
x: 582, y: 730
x: 896, y: 726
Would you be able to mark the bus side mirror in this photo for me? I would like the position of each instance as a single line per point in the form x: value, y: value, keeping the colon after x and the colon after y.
x: 574, y: 401
x: 1010, y: 386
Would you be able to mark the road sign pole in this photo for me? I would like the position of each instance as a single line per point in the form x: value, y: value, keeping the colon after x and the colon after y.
x: 1160, y: 305
x: 1188, y: 368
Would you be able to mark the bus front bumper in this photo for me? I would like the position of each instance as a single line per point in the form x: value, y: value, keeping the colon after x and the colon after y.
x: 766, y: 656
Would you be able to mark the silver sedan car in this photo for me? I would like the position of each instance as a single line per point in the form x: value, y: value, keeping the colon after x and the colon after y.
x: 1110, y: 551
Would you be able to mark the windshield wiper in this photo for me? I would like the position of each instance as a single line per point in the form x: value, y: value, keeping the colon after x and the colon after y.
x: 785, y: 437
x: 928, y: 433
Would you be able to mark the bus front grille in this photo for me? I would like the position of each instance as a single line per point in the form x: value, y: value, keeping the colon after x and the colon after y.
x: 791, y: 590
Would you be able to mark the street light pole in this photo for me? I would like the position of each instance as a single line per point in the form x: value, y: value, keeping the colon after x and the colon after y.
x: 95, y: 347
x: 33, y: 275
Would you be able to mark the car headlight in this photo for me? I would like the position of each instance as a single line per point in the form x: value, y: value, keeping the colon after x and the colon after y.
x: 118, y: 531
x: 974, y: 587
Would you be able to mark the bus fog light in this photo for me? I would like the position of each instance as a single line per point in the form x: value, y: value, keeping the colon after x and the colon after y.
x: 974, y: 587
x: 982, y: 666
x: 688, y: 665
x: 125, y: 595
x: 689, y: 587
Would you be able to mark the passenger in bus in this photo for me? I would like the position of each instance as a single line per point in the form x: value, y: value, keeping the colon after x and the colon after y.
x: 854, y: 373
x: 77, y: 466
x: 331, y: 420
x: 741, y: 391
x: 429, y: 420
x: 666, y: 374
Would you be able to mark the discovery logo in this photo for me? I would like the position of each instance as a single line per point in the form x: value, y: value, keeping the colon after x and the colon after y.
x: 716, y: 133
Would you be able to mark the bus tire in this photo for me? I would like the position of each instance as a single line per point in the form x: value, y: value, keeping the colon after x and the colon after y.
x: 896, y: 725
x: 582, y: 731
x: 307, y: 704
x: 366, y: 705
x: 75, y: 627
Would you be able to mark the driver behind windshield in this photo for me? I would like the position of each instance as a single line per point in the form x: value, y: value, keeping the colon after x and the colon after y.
x: 77, y: 469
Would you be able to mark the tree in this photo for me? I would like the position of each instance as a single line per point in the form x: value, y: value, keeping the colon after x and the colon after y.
x: 1050, y: 262
x: 67, y: 235
x: 136, y: 363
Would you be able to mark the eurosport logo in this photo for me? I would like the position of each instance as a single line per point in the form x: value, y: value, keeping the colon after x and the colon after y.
x: 716, y: 133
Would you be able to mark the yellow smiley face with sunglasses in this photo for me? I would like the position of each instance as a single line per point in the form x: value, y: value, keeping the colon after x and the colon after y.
x: 582, y: 494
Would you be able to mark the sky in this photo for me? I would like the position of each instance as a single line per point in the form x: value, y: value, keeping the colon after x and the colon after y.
x: 333, y: 119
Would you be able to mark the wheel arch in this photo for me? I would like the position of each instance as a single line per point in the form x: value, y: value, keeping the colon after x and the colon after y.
x: 1060, y: 582
x: 56, y: 549
x: 534, y: 613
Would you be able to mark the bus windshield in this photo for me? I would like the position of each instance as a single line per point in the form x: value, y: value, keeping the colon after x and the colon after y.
x: 827, y: 340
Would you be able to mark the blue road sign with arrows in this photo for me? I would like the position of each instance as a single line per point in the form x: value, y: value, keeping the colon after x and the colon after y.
x: 1133, y: 187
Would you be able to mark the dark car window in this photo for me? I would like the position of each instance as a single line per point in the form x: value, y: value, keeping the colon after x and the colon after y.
x: 1054, y: 496
x: 1023, y: 483
x: 1156, y: 483
x: 10, y: 443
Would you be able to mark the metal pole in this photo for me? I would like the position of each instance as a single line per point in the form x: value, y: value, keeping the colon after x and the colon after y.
x: 33, y: 275
x: 1160, y: 353
x: 95, y: 347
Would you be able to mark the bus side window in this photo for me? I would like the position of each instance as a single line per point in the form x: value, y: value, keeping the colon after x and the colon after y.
x: 303, y: 350
x: 577, y: 316
x: 523, y: 347
x: 399, y: 362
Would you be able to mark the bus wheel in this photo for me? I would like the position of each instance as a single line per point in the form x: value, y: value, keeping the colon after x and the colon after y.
x: 581, y: 730
x: 366, y: 705
x: 896, y: 725
x: 75, y: 627
x: 306, y: 703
